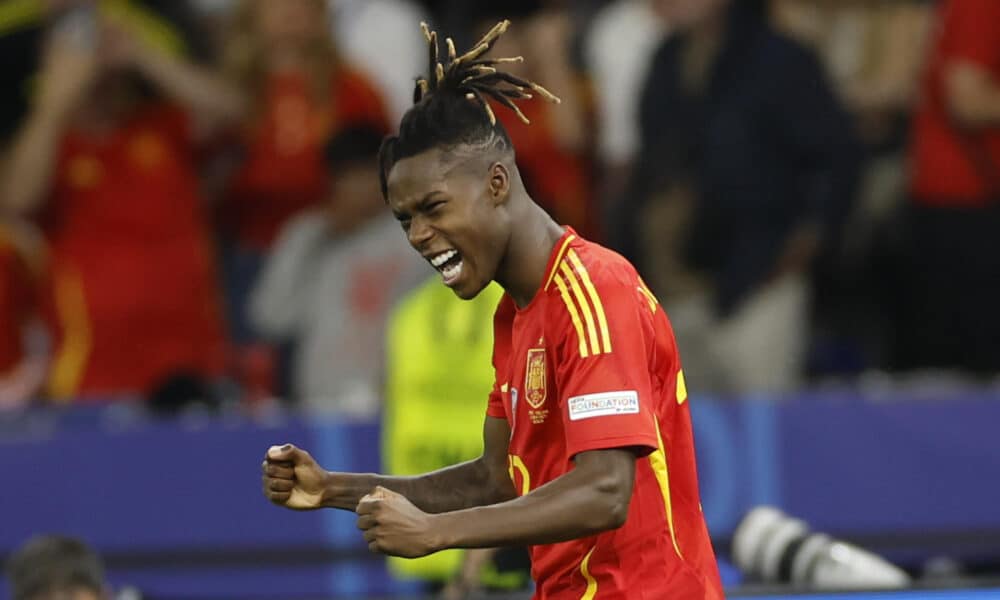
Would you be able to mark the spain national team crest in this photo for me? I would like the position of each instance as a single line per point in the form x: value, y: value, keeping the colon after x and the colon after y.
x: 535, y: 385
x: 534, y: 378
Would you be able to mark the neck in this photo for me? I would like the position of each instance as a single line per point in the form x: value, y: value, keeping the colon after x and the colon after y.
x: 523, y: 266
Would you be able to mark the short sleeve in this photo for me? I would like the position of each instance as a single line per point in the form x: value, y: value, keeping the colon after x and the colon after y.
x: 972, y: 31
x: 605, y: 387
x: 495, y: 406
x: 503, y: 323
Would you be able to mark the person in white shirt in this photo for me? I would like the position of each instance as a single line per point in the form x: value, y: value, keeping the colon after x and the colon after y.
x: 331, y: 281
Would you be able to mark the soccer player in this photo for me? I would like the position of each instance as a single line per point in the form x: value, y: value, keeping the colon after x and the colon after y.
x: 588, y: 452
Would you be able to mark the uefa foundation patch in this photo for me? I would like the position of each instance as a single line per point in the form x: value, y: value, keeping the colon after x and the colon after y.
x: 603, y: 405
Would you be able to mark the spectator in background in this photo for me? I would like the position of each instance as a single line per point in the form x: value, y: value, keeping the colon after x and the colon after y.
x: 283, y: 57
x: 874, y: 51
x: 331, y: 280
x: 951, y: 276
x: 23, y: 352
x: 107, y: 167
x: 553, y: 151
x: 452, y: 376
x: 23, y: 25
x: 56, y: 568
x: 747, y: 166
x: 618, y: 48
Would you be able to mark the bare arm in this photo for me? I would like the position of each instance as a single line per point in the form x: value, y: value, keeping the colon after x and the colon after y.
x: 29, y: 163
x: 210, y: 97
x: 292, y: 479
x: 972, y: 93
x: 592, y: 498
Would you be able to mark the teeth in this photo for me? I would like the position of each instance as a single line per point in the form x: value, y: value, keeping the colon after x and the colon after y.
x: 442, y: 258
x: 450, y: 273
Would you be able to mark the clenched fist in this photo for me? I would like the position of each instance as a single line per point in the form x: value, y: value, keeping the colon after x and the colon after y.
x: 292, y: 478
x: 393, y: 525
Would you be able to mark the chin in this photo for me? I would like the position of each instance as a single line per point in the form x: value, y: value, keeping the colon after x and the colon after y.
x: 468, y: 292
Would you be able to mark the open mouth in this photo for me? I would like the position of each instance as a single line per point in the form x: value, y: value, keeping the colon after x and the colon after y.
x: 449, y: 264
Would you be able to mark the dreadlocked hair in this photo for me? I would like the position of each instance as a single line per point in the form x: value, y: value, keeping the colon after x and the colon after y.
x: 451, y: 104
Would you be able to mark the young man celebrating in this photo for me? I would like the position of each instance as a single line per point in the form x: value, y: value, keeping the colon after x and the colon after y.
x: 588, y: 418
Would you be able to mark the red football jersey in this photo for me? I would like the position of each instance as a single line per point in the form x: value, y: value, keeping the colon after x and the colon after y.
x: 590, y: 364
x: 133, y: 282
x: 284, y: 171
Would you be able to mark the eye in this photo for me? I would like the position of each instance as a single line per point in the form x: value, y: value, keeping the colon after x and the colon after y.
x: 435, y: 207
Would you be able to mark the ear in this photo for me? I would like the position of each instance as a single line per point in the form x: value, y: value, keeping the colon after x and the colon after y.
x: 499, y: 184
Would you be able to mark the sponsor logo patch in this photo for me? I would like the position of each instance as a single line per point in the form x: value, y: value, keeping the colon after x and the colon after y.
x: 603, y: 405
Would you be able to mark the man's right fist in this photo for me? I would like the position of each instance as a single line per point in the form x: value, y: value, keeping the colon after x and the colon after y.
x: 292, y: 478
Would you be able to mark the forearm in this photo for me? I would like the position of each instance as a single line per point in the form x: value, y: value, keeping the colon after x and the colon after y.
x: 203, y: 92
x: 457, y: 487
x: 573, y: 506
x: 29, y: 164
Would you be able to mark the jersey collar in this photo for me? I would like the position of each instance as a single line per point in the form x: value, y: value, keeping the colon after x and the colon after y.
x: 558, y: 251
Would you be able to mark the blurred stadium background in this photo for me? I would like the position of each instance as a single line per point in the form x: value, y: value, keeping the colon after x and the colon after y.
x: 195, y: 263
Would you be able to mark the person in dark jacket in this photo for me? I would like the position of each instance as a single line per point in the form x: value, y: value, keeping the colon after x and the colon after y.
x: 747, y: 167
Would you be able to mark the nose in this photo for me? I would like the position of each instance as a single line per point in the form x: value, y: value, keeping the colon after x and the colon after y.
x: 420, y: 233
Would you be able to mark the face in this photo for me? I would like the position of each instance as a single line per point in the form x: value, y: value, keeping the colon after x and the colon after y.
x: 354, y: 197
x: 685, y: 13
x: 290, y: 22
x: 455, y: 215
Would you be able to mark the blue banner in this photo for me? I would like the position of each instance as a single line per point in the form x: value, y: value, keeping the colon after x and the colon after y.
x: 177, y: 508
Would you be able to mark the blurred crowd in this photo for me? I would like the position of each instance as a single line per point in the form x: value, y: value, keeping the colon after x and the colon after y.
x: 190, y: 210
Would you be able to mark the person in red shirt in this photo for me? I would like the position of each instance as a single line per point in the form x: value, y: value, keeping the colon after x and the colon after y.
x: 108, y: 171
x: 951, y: 280
x: 282, y: 55
x: 303, y: 94
x: 588, y: 451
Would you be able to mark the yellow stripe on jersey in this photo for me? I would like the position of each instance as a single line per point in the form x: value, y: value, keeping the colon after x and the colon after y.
x: 682, y: 390
x: 644, y: 290
x: 658, y: 460
x: 595, y: 299
x: 515, y: 463
x: 573, y: 315
x: 559, y: 257
x: 71, y: 360
x: 595, y: 344
x: 591, y: 590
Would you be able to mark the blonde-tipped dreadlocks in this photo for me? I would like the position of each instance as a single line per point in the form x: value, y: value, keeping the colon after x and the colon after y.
x: 450, y: 101
x: 475, y: 77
